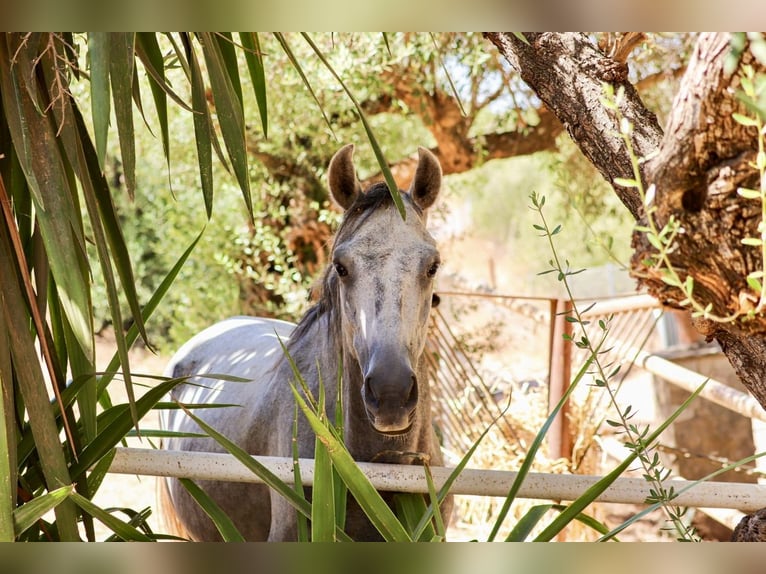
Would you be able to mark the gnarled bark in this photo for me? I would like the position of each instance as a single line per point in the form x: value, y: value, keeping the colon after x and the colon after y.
x: 698, y: 164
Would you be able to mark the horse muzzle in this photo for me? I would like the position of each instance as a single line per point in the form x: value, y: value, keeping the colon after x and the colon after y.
x: 390, y: 395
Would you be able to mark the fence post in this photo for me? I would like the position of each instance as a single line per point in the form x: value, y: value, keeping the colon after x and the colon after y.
x: 559, y: 376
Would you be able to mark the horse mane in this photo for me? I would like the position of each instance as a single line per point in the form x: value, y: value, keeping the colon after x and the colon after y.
x: 326, y: 292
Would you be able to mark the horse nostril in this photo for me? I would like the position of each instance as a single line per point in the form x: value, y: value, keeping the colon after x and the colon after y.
x: 412, y: 399
x: 370, y: 394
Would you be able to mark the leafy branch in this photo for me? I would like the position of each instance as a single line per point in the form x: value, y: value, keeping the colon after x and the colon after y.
x: 640, y: 441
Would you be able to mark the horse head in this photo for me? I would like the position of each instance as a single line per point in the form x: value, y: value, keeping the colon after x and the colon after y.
x: 383, y: 266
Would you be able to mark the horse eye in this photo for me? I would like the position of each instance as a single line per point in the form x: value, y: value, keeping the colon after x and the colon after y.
x: 432, y: 270
x: 341, y: 270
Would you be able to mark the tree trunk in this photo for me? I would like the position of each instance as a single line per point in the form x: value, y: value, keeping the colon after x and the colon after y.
x: 697, y: 166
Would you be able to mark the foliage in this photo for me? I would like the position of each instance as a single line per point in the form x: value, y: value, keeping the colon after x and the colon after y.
x: 62, y: 217
x: 100, y: 217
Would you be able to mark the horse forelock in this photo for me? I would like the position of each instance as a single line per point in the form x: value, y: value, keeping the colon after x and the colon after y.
x: 377, y: 196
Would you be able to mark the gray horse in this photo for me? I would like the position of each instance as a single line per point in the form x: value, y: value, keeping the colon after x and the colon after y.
x: 371, y: 315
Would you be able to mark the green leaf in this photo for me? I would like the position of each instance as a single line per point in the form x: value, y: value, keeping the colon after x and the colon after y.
x: 148, y: 50
x: 748, y: 193
x: 254, y: 59
x: 147, y: 310
x: 112, y: 433
x: 35, y: 142
x: 358, y: 484
x: 584, y: 500
x: 229, y: 56
x: 30, y: 512
x: 28, y: 377
x: 228, y: 107
x: 752, y: 241
x: 203, y: 133
x: 268, y: 477
x: 744, y: 120
x: 222, y: 522
x: 322, y: 497
x: 623, y: 182
x: 754, y: 284
x: 526, y: 523
x: 537, y: 442
x: 121, y: 69
x: 122, y: 529
x: 298, y: 68
x: 100, y: 96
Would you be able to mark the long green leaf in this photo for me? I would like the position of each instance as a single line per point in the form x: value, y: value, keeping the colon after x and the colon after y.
x: 268, y: 477
x: 323, y: 492
x: 254, y: 58
x: 387, y: 175
x: 114, y: 432
x: 369, y: 499
x: 29, y: 513
x: 222, y: 522
x: 203, y: 133
x: 35, y: 142
x: 7, y: 438
x: 34, y: 393
x: 106, y: 235
x: 228, y: 107
x: 594, y: 491
x: 100, y: 96
x: 526, y: 523
x: 444, y: 491
x: 228, y: 52
x: 148, y: 50
x: 122, y: 529
x: 121, y: 70
x: 148, y: 309
x: 298, y: 68
x: 302, y: 521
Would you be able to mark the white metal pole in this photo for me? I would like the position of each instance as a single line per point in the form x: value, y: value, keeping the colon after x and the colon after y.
x: 714, y: 391
x: 407, y: 478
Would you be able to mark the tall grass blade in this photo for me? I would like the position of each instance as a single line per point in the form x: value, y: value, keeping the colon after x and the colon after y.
x: 594, y: 491
x: 254, y: 58
x: 228, y: 107
x: 25, y: 516
x: 222, y: 522
x: 121, y: 71
x: 123, y: 530
x: 365, y: 494
x: 100, y: 96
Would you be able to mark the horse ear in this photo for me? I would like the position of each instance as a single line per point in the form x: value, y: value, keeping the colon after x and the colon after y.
x: 341, y: 176
x: 427, y: 181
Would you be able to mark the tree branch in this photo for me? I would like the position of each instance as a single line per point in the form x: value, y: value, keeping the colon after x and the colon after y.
x: 567, y: 73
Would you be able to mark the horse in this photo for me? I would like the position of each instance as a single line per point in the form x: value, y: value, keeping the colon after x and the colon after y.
x: 369, y: 322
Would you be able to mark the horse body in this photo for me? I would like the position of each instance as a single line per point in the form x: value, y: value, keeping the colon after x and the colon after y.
x: 369, y: 325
